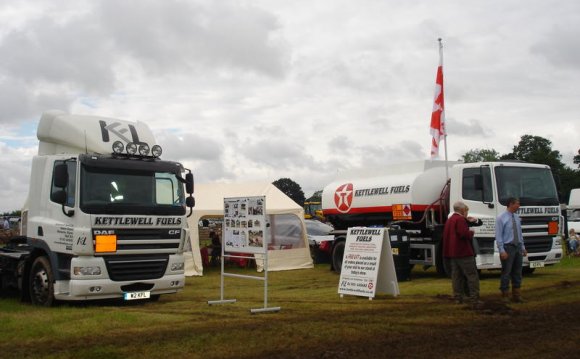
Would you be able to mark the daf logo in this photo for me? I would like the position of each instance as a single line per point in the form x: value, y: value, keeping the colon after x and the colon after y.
x: 104, y: 231
x: 343, y: 197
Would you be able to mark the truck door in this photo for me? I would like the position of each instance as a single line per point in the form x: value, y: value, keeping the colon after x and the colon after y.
x: 58, y: 231
x: 477, y: 193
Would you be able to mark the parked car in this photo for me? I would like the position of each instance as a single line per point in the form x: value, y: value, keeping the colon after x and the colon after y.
x: 320, y: 240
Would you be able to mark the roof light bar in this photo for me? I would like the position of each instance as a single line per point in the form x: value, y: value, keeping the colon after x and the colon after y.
x: 131, y: 148
x: 144, y: 149
x: 118, y: 147
x: 156, y: 151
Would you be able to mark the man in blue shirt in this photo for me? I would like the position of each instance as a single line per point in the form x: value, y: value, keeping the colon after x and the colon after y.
x: 510, y: 243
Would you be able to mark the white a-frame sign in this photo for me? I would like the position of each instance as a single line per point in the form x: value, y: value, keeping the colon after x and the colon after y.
x: 368, y: 267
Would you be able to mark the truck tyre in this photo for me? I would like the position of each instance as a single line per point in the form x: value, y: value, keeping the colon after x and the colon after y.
x: 442, y: 265
x: 337, y: 255
x: 41, y: 282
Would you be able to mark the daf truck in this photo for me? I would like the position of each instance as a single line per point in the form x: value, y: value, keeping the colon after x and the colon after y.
x: 105, y: 216
x: 416, y: 199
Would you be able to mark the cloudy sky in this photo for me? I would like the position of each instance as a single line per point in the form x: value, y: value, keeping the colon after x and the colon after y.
x: 263, y: 89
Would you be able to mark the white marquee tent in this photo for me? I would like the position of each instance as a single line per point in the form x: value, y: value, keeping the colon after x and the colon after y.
x: 288, y: 244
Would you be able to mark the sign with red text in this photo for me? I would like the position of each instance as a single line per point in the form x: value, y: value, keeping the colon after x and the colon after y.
x: 367, y: 266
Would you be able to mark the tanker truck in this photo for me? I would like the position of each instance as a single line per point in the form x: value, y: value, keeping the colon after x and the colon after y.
x: 415, y: 199
x: 573, y: 210
x: 104, y: 218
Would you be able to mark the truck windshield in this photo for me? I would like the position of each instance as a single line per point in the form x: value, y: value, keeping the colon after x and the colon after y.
x: 130, y: 191
x: 533, y: 186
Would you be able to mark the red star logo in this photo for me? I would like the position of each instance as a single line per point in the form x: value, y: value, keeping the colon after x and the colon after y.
x: 343, y: 197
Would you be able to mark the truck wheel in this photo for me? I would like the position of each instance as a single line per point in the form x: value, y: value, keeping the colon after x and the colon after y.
x: 41, y: 282
x: 337, y: 255
x: 442, y: 265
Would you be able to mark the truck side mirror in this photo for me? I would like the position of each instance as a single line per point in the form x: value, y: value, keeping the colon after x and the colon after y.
x: 190, y: 202
x: 61, y: 175
x: 59, y: 197
x: 189, y: 183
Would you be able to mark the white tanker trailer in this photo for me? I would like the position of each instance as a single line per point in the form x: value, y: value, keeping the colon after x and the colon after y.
x: 416, y: 198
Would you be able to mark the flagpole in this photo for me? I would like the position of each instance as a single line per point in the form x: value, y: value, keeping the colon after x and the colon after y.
x: 445, y: 133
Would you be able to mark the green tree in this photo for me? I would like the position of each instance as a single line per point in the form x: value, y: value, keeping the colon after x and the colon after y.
x: 577, y: 159
x: 480, y: 155
x: 291, y: 189
x: 15, y: 213
x: 536, y: 149
x: 569, y: 179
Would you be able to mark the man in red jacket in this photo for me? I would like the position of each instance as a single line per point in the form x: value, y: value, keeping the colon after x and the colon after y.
x: 458, y: 248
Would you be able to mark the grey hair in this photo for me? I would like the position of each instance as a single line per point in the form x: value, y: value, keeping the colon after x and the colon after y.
x: 459, y: 206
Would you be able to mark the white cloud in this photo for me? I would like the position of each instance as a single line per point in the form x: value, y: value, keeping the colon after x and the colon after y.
x: 264, y: 89
x: 15, y: 164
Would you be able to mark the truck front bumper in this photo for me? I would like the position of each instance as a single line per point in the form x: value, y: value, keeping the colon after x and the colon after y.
x: 106, y: 288
x: 492, y: 261
x: 99, y: 285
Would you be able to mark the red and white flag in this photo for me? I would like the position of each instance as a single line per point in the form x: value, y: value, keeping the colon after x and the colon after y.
x: 438, y: 116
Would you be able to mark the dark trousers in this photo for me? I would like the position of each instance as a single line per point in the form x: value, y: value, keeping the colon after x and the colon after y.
x: 464, y: 274
x: 511, y: 268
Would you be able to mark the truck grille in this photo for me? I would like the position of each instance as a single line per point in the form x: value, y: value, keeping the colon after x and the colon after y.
x: 536, y: 237
x: 124, y: 268
x: 146, y: 241
x: 538, y: 244
x: 535, y: 231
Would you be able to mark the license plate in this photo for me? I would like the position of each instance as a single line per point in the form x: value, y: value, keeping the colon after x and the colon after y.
x: 137, y: 295
x: 536, y: 264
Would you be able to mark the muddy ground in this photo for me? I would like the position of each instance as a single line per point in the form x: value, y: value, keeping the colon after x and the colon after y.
x: 494, y: 330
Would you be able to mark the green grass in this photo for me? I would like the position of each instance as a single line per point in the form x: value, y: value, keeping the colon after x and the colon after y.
x: 313, y: 322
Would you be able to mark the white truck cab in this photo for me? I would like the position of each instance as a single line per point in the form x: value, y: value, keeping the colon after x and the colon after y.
x: 105, y: 216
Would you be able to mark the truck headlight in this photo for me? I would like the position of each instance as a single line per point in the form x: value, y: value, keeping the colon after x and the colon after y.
x: 131, y: 148
x: 156, y: 151
x: 118, y: 147
x: 144, y: 149
x: 87, y: 270
x: 177, y: 266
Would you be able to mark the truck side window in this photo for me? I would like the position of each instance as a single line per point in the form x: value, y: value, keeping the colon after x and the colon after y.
x: 167, y: 190
x: 469, y: 190
x: 70, y: 189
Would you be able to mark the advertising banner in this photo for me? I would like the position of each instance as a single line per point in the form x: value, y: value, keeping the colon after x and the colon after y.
x: 245, y: 224
x: 367, y: 266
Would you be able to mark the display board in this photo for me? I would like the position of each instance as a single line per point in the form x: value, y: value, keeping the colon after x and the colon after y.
x: 244, y: 231
x: 244, y: 228
x: 368, y: 267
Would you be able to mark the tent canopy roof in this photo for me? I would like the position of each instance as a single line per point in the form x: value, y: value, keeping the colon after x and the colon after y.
x: 209, y: 197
